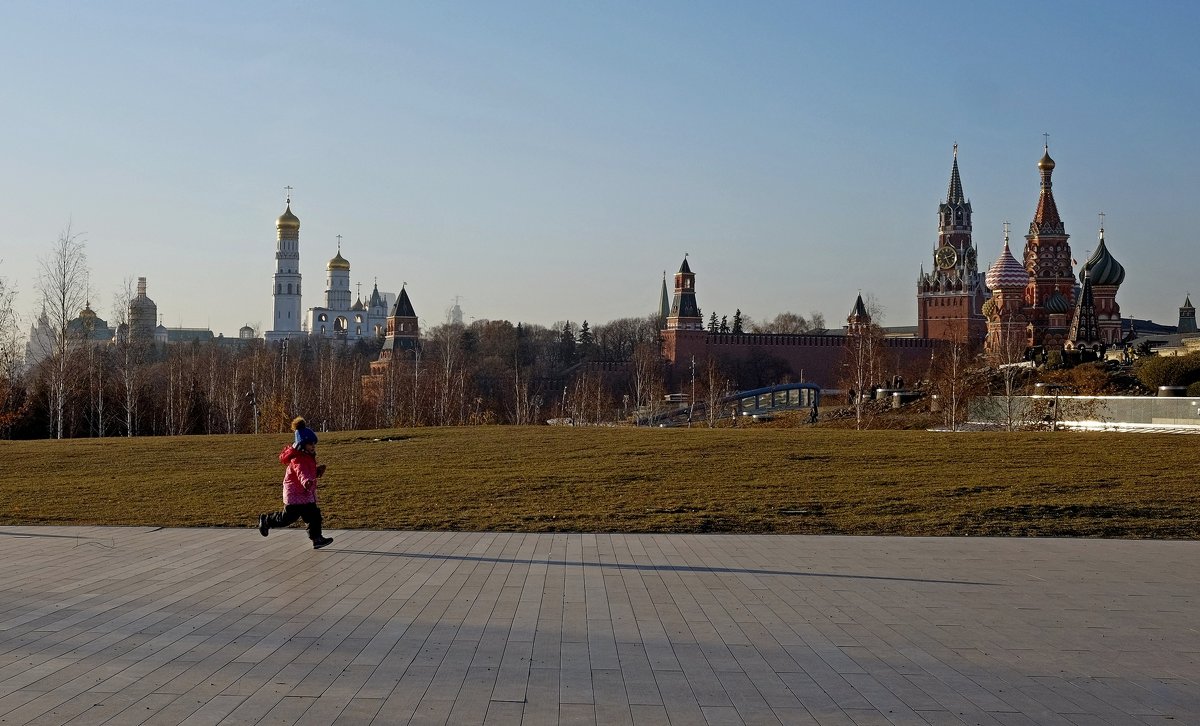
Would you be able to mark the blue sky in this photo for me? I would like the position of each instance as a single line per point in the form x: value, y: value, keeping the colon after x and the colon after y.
x: 548, y: 161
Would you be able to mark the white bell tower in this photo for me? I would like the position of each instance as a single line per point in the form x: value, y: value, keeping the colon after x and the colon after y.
x: 286, y: 320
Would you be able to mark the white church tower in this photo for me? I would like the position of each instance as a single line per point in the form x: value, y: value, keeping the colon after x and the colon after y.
x: 286, y: 322
x: 337, y: 281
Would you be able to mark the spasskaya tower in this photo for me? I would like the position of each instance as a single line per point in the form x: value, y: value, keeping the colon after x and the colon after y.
x: 950, y: 296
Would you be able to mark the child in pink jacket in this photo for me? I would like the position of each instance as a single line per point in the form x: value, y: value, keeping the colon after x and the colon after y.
x: 299, y: 487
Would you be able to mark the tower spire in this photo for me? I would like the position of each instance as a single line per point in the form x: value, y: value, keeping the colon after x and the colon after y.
x: 955, y: 193
x: 1046, y: 219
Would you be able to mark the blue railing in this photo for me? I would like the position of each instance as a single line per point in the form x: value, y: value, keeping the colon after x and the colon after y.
x: 755, y: 402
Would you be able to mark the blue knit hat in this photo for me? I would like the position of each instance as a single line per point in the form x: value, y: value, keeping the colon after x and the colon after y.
x: 305, y: 435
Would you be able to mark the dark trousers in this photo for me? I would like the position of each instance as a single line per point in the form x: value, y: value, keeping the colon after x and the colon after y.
x: 310, y: 513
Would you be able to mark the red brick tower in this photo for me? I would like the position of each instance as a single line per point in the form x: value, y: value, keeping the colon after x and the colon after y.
x: 684, y: 335
x: 1048, y: 262
x: 859, y: 320
x: 403, y: 333
x: 950, y: 297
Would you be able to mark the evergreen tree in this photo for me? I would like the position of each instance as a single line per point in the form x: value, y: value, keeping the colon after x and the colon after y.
x: 737, y: 322
x: 566, y: 345
x: 724, y: 324
x: 712, y: 323
x: 586, y: 341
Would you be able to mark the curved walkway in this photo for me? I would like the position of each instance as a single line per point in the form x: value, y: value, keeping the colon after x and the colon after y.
x: 204, y: 626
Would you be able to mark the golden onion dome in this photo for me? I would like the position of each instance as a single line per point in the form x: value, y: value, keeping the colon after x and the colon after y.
x: 287, y: 220
x: 1046, y: 162
x: 338, y: 263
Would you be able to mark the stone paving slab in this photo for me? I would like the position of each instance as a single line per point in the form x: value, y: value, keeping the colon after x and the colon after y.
x: 219, y: 626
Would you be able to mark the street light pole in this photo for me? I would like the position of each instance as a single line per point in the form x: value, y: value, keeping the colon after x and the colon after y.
x: 1055, y: 388
x: 692, y: 400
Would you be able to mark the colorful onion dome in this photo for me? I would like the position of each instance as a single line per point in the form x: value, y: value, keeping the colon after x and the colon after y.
x: 1057, y: 304
x: 989, y: 308
x: 1102, y: 268
x: 1006, y: 271
x: 287, y: 220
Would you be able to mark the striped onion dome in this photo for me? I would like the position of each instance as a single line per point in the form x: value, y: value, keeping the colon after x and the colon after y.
x: 1057, y: 304
x: 1102, y: 268
x: 1006, y: 271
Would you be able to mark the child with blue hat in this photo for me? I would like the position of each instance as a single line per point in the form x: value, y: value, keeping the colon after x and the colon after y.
x: 304, y: 435
x: 299, y: 487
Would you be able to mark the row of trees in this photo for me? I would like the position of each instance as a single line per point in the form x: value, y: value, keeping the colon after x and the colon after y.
x: 488, y: 372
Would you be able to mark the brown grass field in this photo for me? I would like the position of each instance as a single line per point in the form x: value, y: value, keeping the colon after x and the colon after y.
x: 550, y: 479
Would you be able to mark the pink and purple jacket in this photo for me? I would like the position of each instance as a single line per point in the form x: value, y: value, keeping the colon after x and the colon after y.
x: 300, y: 479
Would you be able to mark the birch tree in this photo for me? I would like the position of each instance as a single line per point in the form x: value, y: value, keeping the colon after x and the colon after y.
x: 10, y: 359
x: 62, y: 282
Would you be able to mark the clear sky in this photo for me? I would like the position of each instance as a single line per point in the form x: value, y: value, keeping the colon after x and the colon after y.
x: 549, y: 160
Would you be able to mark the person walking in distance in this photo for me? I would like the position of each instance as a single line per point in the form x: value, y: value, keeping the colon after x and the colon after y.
x: 299, y: 487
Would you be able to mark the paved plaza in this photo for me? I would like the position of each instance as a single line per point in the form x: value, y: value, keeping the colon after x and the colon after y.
x: 221, y: 626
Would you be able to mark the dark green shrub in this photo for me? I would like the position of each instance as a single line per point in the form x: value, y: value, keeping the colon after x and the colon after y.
x: 1159, y: 370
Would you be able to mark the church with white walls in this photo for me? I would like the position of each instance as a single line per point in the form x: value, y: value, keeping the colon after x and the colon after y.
x: 339, y: 318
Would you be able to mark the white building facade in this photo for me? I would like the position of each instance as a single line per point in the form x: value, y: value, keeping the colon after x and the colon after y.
x: 339, y: 318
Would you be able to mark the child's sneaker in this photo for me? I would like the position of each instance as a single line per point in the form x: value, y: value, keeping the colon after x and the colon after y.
x: 263, y: 525
x: 323, y: 542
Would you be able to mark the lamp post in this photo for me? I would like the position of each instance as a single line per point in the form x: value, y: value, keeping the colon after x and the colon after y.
x: 692, y: 398
x: 1055, y: 388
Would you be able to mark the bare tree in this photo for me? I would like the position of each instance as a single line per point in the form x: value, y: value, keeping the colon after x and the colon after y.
x: 1008, y: 357
x: 647, y: 375
x: 715, y: 386
x: 864, y: 358
x: 955, y: 376
x: 130, y: 355
x: 10, y: 358
x: 789, y: 322
x: 62, y: 283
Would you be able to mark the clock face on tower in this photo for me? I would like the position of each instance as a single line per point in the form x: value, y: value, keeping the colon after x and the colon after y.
x: 945, y: 257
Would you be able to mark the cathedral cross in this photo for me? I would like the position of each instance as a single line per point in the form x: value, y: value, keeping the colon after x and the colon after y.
x: 1046, y: 140
x: 288, y: 189
x: 339, y: 239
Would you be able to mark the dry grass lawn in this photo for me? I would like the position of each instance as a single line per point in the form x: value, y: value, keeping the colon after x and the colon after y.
x: 542, y: 479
